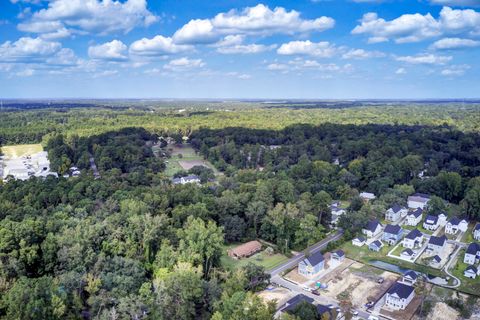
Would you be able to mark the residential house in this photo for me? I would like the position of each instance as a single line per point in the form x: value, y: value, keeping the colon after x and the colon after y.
x: 392, y: 234
x: 452, y: 226
x: 338, y: 255
x: 245, y: 250
x: 414, y: 217
x: 367, y: 196
x: 312, y: 265
x: 418, y: 200
x: 431, y: 223
x: 188, y: 179
x: 471, y: 272
x: 472, y: 254
x: 395, y: 213
x: 291, y: 304
x: 373, y: 229
x: 442, y: 219
x: 359, y: 241
x: 413, y: 239
x: 375, y: 246
x: 436, y: 245
x: 399, y: 296
x: 410, y: 277
x: 336, y: 211
x: 436, y: 261
x: 476, y: 232
x: 407, y: 254
x: 324, y: 312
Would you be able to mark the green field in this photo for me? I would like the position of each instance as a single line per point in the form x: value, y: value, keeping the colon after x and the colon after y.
x: 20, y: 150
x: 260, y: 259
x: 182, y: 153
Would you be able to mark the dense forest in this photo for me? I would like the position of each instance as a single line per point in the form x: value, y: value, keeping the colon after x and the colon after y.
x: 131, y: 245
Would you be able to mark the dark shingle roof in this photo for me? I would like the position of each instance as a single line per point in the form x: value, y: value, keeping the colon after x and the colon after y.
x: 421, y: 195
x: 372, y: 225
x: 454, y: 221
x: 376, y: 243
x: 438, y: 241
x: 392, y: 229
x: 416, y: 213
x: 472, y: 269
x: 437, y: 258
x: 293, y: 302
x: 412, y: 274
x: 315, y: 258
x: 321, y: 310
x: 339, y: 253
x: 401, y: 289
x: 477, y: 227
x: 408, y: 251
x: 473, y: 248
x: 360, y: 238
x: 414, y: 234
x: 395, y: 208
x: 433, y: 218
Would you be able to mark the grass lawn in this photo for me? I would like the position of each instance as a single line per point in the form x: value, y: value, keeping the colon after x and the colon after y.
x: 398, y: 250
x: 185, y: 153
x: 260, y: 259
x: 471, y: 286
x: 366, y: 256
x: 468, y: 236
x: 20, y: 150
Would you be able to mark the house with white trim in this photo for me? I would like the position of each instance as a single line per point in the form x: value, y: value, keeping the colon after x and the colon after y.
x: 410, y: 277
x: 454, y: 225
x: 476, y: 232
x: 471, y: 272
x: 436, y: 245
x: 311, y: 265
x: 414, y: 239
x: 418, y: 200
x: 395, y: 213
x: 431, y: 223
x: 367, y: 196
x: 399, y: 296
x: 392, y: 234
x: 472, y: 254
x: 414, y: 217
x: 359, y: 241
x: 373, y: 229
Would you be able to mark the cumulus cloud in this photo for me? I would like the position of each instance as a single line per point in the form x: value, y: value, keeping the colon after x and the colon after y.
x: 115, y: 50
x: 455, y: 70
x: 258, y: 20
x: 157, y: 46
x: 359, y: 54
x: 417, y: 27
x: 233, y: 44
x: 461, y: 3
x: 28, y: 50
x: 89, y: 16
x: 321, y: 49
x: 300, y: 64
x: 183, y: 64
x: 401, y: 71
x: 425, y: 59
x: 454, y: 43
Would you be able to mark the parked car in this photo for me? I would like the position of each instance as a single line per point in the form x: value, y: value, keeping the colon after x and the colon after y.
x: 369, y: 304
x: 380, y: 280
x: 315, y: 292
x: 372, y: 318
x: 355, y: 312
x: 307, y: 289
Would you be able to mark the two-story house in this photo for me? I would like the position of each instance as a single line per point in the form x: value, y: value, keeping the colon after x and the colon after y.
x: 431, y: 223
x: 395, y: 213
x: 413, y: 239
x: 476, y: 232
x: 414, y: 217
x: 418, y: 200
x: 399, y: 296
x: 472, y: 254
x: 471, y: 272
x: 454, y: 225
x: 373, y: 229
x: 392, y: 234
x: 410, y: 277
x: 376, y: 246
x: 311, y: 265
x: 436, y: 245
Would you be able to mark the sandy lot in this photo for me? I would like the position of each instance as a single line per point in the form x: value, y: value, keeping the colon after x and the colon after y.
x: 441, y: 311
x: 296, y: 277
x: 12, y: 152
x: 281, y: 295
x: 361, y: 289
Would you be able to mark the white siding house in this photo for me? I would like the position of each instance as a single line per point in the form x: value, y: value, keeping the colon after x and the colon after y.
x: 472, y: 254
x: 395, y: 213
x: 431, y: 223
x: 414, y: 217
x: 476, y: 232
x: 413, y: 239
x: 418, y: 200
x: 399, y: 296
x: 373, y: 229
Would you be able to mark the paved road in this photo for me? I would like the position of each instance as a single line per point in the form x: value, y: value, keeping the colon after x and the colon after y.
x: 299, y: 257
x: 96, y: 174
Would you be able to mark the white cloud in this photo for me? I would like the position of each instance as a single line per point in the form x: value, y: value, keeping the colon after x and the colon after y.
x: 114, y: 50
x: 90, y: 16
x: 424, y: 59
x: 455, y: 70
x: 28, y: 50
x: 106, y: 73
x: 25, y: 73
x: 462, y: 3
x: 300, y: 64
x: 321, y: 49
x: 233, y: 44
x: 157, y: 46
x: 401, y: 71
x: 277, y: 67
x: 184, y: 63
x: 454, y: 43
x: 258, y: 20
x: 362, y: 54
x: 417, y: 27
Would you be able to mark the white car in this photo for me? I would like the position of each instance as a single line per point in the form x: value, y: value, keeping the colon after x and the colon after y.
x: 307, y: 288
x: 372, y: 318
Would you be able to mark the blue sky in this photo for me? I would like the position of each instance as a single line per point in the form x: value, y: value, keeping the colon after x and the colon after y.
x: 325, y: 49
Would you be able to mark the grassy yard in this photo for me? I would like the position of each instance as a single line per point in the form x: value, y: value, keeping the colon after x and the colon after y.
x: 471, y: 286
x: 260, y: 259
x: 468, y: 236
x: 398, y: 250
x: 183, y: 153
x: 20, y: 150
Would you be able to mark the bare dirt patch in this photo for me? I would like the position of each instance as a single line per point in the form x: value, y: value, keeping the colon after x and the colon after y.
x: 280, y: 295
x: 295, y: 276
x: 441, y: 311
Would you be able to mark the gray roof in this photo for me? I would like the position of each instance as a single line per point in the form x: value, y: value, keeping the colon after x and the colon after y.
x: 392, y: 229
x: 372, y: 225
x: 360, y: 238
x: 473, y: 248
x: 438, y: 241
x: 408, y: 251
x: 401, y: 289
x: 412, y: 274
x: 454, y: 221
x: 315, y: 258
x: 416, y: 213
x: 339, y: 253
x: 396, y: 208
x: 414, y: 234
x: 472, y: 269
x: 433, y: 218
